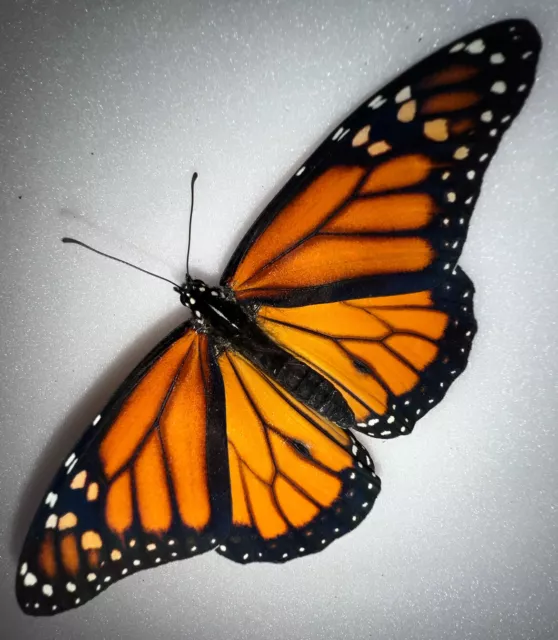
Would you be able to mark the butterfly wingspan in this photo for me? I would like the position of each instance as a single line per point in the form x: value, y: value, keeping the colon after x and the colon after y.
x: 393, y: 358
x: 138, y: 490
x: 382, y: 207
x: 297, y: 481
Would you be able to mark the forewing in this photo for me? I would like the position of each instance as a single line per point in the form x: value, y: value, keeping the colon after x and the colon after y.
x: 147, y: 484
x: 298, y: 482
x: 382, y: 207
x: 393, y: 358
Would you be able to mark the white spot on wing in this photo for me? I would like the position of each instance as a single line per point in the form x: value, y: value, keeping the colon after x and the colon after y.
x: 403, y: 95
x: 476, y: 47
x: 71, y: 458
x: 51, y: 499
x: 96, y: 421
x: 377, y: 102
x: 337, y: 133
x: 30, y: 580
x: 457, y: 47
x: 499, y: 87
x: 497, y: 58
x: 51, y: 522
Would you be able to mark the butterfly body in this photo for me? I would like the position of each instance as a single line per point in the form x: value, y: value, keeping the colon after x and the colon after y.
x: 232, y: 326
x: 343, y: 308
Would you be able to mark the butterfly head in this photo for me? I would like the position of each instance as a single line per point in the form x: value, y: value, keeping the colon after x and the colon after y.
x: 196, y: 295
x: 191, y: 292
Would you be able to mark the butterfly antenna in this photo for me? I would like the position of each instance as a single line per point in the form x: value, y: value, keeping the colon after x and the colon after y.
x: 106, y: 255
x: 194, y: 177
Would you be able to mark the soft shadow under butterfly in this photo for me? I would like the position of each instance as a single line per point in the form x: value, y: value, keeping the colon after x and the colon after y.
x: 342, y: 309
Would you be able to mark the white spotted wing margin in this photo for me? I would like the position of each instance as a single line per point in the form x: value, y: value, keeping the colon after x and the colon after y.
x: 453, y: 298
x: 448, y: 113
x: 296, y: 439
x: 73, y: 551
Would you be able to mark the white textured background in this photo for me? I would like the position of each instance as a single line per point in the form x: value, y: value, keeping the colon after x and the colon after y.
x: 105, y: 108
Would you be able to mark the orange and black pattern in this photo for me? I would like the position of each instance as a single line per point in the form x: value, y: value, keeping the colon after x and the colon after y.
x: 139, y: 490
x: 342, y: 309
x: 384, y: 204
x: 392, y: 357
x: 193, y: 453
x: 298, y: 482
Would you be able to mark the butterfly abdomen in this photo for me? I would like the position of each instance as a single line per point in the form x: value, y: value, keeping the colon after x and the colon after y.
x: 232, y: 326
x: 305, y: 384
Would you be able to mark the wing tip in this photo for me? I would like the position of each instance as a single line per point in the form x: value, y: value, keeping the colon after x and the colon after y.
x: 523, y: 27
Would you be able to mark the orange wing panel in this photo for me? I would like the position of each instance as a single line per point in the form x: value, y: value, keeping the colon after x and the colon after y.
x: 451, y: 75
x: 142, y: 408
x: 380, y: 351
x: 138, y: 490
x: 351, y: 258
x: 47, y: 556
x: 301, y: 217
x: 151, y: 486
x: 320, y: 237
x: 290, y: 470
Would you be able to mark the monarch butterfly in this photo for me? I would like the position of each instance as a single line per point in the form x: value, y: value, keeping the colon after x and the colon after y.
x: 342, y: 309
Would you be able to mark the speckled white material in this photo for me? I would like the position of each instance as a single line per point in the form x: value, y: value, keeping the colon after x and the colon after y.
x: 105, y: 108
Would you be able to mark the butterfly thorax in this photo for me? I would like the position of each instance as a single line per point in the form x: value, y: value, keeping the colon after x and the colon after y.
x: 213, y: 309
x: 232, y: 327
